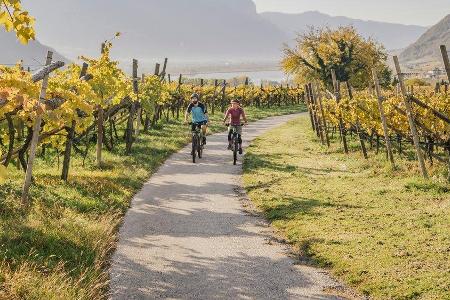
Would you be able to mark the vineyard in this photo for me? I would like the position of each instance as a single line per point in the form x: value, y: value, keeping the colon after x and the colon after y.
x: 78, y: 142
x: 80, y: 104
x: 85, y: 138
x: 400, y: 116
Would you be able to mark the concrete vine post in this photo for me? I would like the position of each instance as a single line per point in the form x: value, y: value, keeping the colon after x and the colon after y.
x: 409, y: 113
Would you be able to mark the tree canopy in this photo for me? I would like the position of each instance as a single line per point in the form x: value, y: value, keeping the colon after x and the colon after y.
x: 353, y: 57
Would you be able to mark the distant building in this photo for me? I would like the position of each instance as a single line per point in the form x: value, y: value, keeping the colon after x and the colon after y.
x: 410, y: 75
x: 435, y: 73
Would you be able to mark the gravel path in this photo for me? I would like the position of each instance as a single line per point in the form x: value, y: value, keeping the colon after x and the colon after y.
x: 188, y: 236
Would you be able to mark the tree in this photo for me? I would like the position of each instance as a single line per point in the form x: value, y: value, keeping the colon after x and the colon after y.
x: 352, y: 57
x: 12, y: 17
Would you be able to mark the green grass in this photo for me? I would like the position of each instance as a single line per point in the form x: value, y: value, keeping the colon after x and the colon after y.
x: 385, y: 233
x: 59, y: 247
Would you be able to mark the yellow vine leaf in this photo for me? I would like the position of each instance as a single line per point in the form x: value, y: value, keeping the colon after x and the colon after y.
x: 13, y: 18
x: 3, y: 174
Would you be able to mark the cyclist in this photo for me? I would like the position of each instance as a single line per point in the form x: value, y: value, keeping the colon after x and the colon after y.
x: 199, y: 115
x: 233, y: 116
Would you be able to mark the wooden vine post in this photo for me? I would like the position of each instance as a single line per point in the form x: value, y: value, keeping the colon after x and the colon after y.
x: 446, y: 61
x: 163, y: 73
x: 244, y: 89
x: 409, y: 113
x: 213, y: 102
x: 179, y: 100
x: 136, y: 91
x: 36, y: 127
x: 130, y: 122
x: 323, y: 118
x: 157, y: 106
x: 316, y: 114
x: 447, y: 70
x: 383, y: 117
x: 336, y: 87
x: 100, y: 120
x: 358, y: 126
x: 70, y: 137
x: 224, y: 87
x: 157, y: 66
x: 308, y: 105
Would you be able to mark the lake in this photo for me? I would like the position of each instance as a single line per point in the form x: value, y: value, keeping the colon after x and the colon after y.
x: 254, y: 76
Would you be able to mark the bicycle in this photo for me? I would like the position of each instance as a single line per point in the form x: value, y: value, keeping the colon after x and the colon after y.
x: 234, y: 141
x: 197, y: 142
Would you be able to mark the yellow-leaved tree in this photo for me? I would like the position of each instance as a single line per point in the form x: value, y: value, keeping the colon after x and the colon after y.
x: 353, y: 57
x: 14, y: 18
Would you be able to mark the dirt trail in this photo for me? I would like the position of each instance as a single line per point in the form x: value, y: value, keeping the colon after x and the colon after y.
x: 187, y: 236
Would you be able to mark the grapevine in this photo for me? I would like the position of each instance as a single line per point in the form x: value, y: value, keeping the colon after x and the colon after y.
x: 71, y: 111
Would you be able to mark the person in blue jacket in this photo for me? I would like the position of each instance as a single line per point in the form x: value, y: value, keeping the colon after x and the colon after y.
x: 199, y: 114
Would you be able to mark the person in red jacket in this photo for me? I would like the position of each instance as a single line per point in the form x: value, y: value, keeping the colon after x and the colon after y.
x: 233, y: 117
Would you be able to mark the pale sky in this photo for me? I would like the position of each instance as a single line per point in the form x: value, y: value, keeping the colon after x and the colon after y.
x: 411, y: 12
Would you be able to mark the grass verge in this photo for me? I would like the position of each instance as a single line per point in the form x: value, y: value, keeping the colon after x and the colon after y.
x: 59, y: 247
x: 386, y: 233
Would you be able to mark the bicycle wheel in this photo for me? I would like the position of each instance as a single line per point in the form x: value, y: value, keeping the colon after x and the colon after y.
x: 194, y: 148
x: 235, y: 150
x: 199, y: 148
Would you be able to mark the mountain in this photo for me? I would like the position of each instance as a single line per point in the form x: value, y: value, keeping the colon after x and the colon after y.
x: 393, y: 36
x: 186, y: 31
x: 33, y: 54
x: 178, y: 29
x: 426, y: 48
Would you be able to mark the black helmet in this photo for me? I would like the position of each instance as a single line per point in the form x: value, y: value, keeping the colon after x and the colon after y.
x: 196, y: 96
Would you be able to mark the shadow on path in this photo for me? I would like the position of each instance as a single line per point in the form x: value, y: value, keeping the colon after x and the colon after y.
x: 187, y: 236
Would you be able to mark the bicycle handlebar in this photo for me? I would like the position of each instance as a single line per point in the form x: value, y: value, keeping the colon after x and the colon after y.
x: 228, y: 124
x: 191, y: 123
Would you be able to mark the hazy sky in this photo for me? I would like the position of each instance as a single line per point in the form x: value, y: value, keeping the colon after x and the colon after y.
x: 416, y: 12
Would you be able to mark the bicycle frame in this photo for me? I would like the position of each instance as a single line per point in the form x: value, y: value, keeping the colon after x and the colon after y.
x: 235, y: 141
x: 197, y: 143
